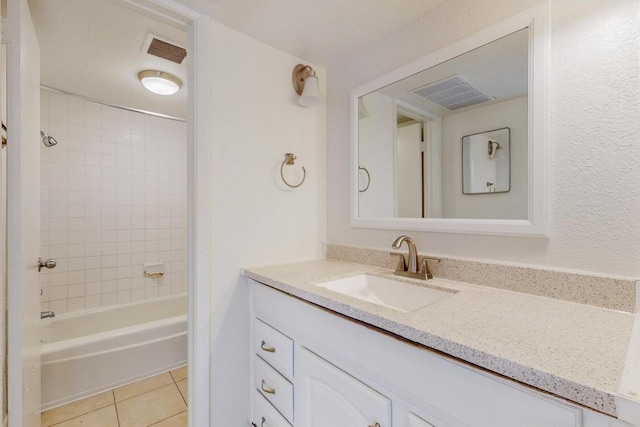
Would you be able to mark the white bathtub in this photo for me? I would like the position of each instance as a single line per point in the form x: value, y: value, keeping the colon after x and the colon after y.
x: 90, y: 351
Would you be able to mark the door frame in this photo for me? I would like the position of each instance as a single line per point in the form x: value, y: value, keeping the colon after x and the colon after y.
x: 198, y: 195
x: 4, y: 418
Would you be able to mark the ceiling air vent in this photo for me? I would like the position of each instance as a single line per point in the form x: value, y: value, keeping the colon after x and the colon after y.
x: 453, y: 93
x: 164, y: 49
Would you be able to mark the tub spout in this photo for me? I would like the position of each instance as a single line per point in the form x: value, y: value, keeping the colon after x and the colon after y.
x: 46, y: 314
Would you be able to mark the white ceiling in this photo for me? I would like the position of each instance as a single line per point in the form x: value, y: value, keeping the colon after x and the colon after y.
x: 93, y: 47
x: 320, y: 31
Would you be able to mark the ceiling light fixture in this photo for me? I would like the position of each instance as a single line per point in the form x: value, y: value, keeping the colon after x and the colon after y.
x: 305, y: 83
x: 160, y: 82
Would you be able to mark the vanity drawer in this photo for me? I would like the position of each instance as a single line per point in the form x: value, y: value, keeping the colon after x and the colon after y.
x: 274, y: 347
x: 265, y: 415
x: 274, y: 387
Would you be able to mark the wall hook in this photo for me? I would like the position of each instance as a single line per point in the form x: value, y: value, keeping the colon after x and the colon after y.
x: 290, y: 159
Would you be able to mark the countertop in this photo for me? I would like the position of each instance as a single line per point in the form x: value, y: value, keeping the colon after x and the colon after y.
x: 570, y: 350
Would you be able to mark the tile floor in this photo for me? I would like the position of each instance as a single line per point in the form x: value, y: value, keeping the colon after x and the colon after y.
x: 159, y: 401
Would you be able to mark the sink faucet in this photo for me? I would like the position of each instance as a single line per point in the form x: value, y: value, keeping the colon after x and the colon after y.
x: 46, y: 314
x: 412, y: 266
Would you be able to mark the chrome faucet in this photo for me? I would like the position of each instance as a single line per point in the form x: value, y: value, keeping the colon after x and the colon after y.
x: 46, y: 314
x: 413, y: 268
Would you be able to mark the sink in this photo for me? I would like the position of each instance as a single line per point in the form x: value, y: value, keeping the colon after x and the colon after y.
x: 388, y: 293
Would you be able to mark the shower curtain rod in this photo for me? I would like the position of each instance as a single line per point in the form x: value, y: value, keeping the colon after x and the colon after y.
x: 121, y: 107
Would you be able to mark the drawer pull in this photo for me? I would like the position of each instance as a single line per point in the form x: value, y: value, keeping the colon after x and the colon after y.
x: 372, y: 425
x: 262, y: 423
x: 268, y: 349
x: 268, y: 389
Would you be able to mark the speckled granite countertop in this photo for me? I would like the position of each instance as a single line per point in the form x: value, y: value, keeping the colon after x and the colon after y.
x: 571, y: 350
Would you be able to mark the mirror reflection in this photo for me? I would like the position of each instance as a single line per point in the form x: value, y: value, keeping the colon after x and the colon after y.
x: 411, y: 159
x: 485, y: 162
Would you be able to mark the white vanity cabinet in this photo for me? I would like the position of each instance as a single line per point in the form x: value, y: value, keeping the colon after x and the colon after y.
x: 343, y: 373
x: 327, y: 396
x: 272, y: 372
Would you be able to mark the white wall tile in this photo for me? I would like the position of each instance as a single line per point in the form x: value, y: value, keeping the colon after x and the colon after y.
x: 93, y: 288
x: 75, y: 304
x: 93, y: 301
x: 113, y: 198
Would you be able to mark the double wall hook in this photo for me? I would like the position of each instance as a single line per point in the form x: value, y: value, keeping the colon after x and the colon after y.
x: 289, y: 159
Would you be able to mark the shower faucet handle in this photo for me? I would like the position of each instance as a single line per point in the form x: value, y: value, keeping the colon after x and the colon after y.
x: 50, y: 263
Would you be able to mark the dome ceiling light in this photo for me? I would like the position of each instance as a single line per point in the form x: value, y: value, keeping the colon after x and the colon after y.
x: 160, y: 82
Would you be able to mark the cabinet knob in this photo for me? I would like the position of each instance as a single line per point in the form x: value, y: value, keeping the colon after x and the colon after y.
x: 263, y: 345
x: 268, y: 389
x: 375, y: 425
x: 262, y: 423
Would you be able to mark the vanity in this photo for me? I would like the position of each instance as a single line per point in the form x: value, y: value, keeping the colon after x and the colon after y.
x: 475, y: 357
x: 453, y: 142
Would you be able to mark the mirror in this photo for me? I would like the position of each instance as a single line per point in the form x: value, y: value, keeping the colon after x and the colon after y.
x: 485, y: 163
x: 455, y: 140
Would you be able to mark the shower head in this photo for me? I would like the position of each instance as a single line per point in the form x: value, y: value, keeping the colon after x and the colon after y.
x: 47, y: 140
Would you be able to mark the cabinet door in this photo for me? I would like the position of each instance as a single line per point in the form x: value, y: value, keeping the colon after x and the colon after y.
x: 327, y: 396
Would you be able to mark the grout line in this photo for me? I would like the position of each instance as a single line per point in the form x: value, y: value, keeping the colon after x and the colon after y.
x: 182, y: 395
x: 140, y: 394
x: 82, y: 415
x: 176, y: 383
x: 78, y: 415
x: 164, y: 419
x: 115, y: 402
x: 171, y: 373
x: 116, y: 406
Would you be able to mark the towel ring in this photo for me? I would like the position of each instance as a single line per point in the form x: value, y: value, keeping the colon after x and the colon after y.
x: 368, y: 179
x: 289, y: 159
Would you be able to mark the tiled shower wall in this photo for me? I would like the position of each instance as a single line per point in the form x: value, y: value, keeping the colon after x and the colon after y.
x: 113, y: 199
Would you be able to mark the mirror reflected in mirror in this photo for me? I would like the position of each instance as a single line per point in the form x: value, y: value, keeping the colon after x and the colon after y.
x: 485, y: 162
x: 409, y: 137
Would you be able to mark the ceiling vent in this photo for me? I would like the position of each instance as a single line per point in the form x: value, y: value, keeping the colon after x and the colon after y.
x: 164, y: 49
x: 453, y: 93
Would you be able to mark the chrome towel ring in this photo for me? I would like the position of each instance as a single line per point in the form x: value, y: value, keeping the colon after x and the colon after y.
x: 289, y: 159
x: 368, y: 178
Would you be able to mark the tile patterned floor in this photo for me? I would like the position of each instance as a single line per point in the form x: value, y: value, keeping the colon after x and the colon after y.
x: 159, y: 401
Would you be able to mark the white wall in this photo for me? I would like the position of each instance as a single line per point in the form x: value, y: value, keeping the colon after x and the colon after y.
x: 510, y: 205
x: 255, y: 218
x: 113, y: 199
x: 593, y: 172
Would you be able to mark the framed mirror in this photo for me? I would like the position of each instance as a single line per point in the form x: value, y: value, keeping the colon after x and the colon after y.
x: 418, y: 134
x: 486, y: 167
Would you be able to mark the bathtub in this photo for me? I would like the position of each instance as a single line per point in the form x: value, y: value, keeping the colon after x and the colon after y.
x: 90, y: 351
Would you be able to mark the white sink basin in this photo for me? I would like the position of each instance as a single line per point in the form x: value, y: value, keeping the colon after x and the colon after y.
x: 387, y: 293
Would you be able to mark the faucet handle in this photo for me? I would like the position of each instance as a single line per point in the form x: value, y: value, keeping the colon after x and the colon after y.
x: 402, y: 263
x: 424, y: 266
